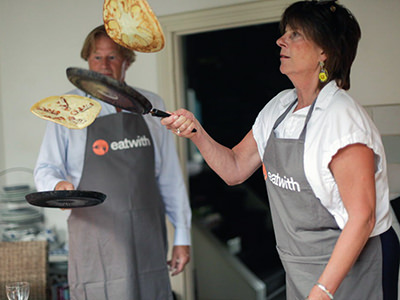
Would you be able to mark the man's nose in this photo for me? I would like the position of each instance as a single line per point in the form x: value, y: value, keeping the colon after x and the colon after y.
x: 105, y: 62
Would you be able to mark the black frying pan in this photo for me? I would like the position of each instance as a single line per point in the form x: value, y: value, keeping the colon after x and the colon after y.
x: 65, y: 199
x: 113, y: 92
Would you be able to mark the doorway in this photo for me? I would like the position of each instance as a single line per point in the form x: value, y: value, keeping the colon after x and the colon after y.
x: 228, y: 80
x: 182, y: 31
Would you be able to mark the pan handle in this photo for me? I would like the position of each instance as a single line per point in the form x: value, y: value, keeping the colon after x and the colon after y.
x: 162, y: 114
x: 159, y: 113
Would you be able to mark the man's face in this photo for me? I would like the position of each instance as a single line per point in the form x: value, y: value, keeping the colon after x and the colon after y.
x: 106, y: 59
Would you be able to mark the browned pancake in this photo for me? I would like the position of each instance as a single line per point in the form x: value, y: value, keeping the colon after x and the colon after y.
x: 132, y: 24
x: 71, y: 111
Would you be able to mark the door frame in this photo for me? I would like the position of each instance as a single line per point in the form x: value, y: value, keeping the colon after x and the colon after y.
x: 171, y: 81
x: 169, y: 60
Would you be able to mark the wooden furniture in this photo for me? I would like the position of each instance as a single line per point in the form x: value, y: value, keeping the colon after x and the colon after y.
x: 24, y: 261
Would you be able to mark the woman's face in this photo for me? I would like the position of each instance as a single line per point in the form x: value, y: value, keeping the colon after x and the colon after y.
x: 299, y: 56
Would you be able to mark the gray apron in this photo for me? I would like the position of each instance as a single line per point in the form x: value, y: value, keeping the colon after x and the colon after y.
x: 118, y: 249
x: 306, y: 232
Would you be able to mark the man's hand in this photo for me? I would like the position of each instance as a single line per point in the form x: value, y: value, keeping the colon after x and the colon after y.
x: 64, y: 186
x: 180, y: 257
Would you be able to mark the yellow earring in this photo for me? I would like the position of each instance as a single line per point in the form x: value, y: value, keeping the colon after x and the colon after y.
x: 323, y: 73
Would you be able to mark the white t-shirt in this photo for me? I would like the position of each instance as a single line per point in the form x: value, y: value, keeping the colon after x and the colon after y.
x: 336, y: 122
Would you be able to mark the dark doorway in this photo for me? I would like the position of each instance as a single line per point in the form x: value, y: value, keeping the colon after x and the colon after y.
x: 230, y: 76
x: 233, y: 74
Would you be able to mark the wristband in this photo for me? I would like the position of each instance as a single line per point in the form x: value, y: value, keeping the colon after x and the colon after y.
x: 326, y: 291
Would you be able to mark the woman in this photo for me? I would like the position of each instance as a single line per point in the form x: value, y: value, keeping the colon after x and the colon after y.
x: 323, y: 161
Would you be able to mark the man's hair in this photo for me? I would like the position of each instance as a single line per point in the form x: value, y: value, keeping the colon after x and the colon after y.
x: 90, y: 44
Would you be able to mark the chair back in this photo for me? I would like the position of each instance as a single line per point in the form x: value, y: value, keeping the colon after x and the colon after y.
x: 24, y: 261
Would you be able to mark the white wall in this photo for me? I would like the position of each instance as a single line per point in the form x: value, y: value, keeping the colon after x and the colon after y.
x: 40, y: 39
x: 374, y: 77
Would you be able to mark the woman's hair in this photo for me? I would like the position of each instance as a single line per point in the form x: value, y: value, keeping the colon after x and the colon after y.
x: 333, y: 28
x: 89, y: 45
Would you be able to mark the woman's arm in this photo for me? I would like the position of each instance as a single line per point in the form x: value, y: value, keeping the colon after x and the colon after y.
x: 353, y: 168
x: 233, y: 165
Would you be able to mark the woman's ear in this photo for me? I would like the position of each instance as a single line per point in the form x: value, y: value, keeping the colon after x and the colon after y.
x: 323, y: 56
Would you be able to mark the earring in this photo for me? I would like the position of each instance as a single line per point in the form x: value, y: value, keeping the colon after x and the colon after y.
x: 323, y: 73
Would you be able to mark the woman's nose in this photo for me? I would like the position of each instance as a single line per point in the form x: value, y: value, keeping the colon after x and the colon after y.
x: 281, y: 42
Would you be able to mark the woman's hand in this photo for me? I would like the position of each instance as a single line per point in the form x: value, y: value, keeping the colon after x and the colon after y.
x: 181, y: 122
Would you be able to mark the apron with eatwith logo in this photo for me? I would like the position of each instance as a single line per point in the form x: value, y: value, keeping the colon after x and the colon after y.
x: 305, y: 231
x: 118, y: 249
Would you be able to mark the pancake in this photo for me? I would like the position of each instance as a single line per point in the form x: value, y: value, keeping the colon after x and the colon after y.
x: 71, y: 111
x: 133, y: 25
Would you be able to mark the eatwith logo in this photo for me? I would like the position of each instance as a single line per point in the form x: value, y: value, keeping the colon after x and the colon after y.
x: 284, y: 182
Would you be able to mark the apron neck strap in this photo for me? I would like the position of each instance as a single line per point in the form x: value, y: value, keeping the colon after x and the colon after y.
x: 280, y: 119
x: 303, y: 132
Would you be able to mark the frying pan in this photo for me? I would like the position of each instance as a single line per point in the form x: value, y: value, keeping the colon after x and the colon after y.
x: 65, y: 199
x: 113, y: 92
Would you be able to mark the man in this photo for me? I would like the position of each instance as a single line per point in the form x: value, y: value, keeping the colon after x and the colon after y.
x: 117, y: 250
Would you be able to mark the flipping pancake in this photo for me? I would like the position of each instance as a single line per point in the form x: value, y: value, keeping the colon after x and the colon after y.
x: 133, y: 25
x: 71, y: 111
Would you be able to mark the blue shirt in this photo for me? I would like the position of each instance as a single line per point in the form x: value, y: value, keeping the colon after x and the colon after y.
x: 62, y: 153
